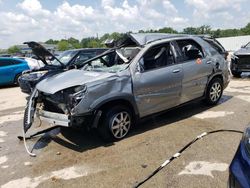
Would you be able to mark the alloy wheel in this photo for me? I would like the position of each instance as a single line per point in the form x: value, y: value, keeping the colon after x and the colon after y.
x: 120, y: 124
x: 215, y: 91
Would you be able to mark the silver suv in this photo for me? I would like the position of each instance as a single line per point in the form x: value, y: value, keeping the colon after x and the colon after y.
x: 146, y: 74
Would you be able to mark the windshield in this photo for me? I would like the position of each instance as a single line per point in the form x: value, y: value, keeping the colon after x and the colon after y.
x: 114, y: 61
x: 65, y: 57
x: 247, y: 45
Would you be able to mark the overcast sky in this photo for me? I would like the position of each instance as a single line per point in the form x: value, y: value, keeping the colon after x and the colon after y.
x: 40, y: 20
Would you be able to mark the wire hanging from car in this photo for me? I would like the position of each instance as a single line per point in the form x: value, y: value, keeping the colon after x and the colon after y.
x: 178, y: 154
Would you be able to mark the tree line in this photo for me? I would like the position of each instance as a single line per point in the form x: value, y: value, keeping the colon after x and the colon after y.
x: 95, y: 42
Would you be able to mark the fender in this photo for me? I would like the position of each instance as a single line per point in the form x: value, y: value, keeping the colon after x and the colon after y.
x: 212, y: 76
x: 113, y: 97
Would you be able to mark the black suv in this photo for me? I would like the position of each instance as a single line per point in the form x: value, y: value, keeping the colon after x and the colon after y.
x: 54, y: 65
x: 241, y: 61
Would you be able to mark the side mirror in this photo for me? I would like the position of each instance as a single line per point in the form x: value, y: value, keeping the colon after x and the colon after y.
x: 243, y: 46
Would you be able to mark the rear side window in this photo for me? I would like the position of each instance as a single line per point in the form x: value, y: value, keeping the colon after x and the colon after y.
x: 4, y: 62
x: 157, y: 57
x: 190, y: 50
x: 15, y: 62
x: 215, y: 45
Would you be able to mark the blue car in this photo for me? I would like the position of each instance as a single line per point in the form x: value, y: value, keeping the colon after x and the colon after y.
x: 239, y: 170
x: 11, y: 69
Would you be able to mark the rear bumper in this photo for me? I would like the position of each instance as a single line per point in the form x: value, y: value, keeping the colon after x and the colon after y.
x: 54, y: 118
x: 240, y: 169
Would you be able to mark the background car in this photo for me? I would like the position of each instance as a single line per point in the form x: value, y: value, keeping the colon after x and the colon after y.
x: 241, y: 61
x: 11, y: 69
x: 33, y: 63
x: 54, y: 65
x: 239, y: 170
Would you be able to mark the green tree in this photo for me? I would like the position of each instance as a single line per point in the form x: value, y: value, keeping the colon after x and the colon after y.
x: 74, y: 42
x: 63, y: 45
x: 13, y: 50
x: 190, y: 30
x: 167, y: 30
x: 246, y: 30
x: 51, y: 41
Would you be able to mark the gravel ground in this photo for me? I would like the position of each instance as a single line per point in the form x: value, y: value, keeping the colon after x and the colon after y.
x: 72, y: 158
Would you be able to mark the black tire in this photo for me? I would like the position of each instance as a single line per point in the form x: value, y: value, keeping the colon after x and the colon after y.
x: 214, y: 91
x: 16, y: 79
x: 110, y: 119
x: 236, y: 74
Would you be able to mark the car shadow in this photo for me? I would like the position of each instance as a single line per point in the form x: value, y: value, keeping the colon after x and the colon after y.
x: 8, y: 86
x: 82, y: 140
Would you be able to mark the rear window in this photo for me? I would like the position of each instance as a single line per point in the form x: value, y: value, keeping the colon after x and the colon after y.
x: 216, y: 45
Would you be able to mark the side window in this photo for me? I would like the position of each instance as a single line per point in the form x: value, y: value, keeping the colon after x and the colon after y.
x: 15, y: 62
x: 156, y: 57
x: 4, y: 63
x: 84, y: 56
x: 190, y: 50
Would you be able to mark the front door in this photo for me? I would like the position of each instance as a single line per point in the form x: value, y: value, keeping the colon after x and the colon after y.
x: 157, y: 84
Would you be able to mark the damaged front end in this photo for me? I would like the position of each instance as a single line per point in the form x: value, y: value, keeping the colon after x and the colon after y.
x: 54, y: 109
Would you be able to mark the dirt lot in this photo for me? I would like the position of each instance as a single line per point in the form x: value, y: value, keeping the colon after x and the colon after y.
x: 69, y: 158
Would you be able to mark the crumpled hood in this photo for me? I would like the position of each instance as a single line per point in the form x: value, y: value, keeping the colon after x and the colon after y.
x: 69, y: 79
x: 243, y: 51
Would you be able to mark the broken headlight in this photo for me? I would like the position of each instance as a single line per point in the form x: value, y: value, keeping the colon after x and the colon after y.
x: 246, y: 139
x: 78, y: 95
x: 36, y: 75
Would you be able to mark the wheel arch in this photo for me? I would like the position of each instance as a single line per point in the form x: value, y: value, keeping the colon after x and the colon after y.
x: 122, y: 100
x: 218, y: 75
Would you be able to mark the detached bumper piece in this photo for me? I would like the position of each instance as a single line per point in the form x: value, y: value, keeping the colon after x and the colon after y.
x: 54, y: 118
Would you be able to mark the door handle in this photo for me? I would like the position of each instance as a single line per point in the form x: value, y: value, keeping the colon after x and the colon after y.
x: 209, y: 62
x: 176, y: 70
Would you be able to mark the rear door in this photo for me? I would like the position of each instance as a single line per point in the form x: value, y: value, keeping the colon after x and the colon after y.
x: 157, y: 84
x: 196, y: 69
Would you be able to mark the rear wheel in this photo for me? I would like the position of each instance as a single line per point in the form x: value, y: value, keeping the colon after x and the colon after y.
x: 214, y: 91
x: 115, y: 123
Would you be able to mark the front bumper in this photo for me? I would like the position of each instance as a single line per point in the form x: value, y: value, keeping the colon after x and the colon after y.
x: 240, y: 169
x: 241, y: 64
x: 54, y: 118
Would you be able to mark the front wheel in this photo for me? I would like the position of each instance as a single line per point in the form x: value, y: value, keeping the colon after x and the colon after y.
x: 214, y: 91
x: 115, y: 123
